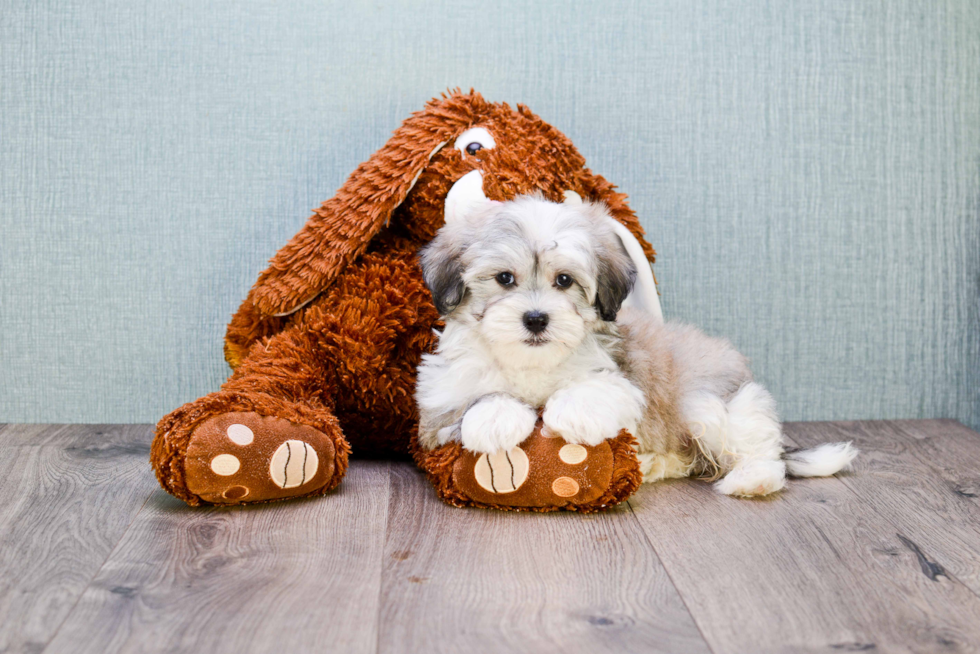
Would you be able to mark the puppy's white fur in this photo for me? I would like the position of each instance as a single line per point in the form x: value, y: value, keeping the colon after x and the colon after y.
x: 689, y: 399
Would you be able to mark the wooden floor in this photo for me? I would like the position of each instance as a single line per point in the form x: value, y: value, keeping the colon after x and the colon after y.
x: 94, y: 557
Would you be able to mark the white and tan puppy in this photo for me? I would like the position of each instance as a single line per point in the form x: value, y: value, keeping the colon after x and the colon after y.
x: 530, y: 291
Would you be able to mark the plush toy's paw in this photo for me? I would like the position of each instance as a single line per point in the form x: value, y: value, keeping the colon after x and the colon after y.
x: 541, y: 474
x: 241, y: 457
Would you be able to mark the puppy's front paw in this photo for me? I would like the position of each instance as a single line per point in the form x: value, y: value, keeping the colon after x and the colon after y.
x: 576, y: 421
x: 496, y: 423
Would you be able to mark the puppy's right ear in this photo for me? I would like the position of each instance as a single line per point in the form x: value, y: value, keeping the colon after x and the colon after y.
x: 442, y: 268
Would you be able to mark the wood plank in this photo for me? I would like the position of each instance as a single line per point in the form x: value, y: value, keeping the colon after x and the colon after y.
x: 810, y: 569
x: 922, y: 476
x: 297, y: 576
x: 67, y: 495
x: 80, y: 437
x: 471, y: 580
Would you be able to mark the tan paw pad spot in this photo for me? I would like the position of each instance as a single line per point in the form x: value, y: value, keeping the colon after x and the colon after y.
x: 572, y: 454
x: 502, y: 472
x: 235, y: 493
x: 564, y: 487
x: 293, y: 464
x: 547, y: 433
x: 240, y: 434
x: 225, y: 464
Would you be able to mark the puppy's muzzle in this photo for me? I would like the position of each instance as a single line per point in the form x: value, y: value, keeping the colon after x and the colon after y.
x: 535, y: 321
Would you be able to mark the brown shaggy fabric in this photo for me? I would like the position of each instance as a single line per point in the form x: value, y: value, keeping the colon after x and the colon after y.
x: 332, y: 332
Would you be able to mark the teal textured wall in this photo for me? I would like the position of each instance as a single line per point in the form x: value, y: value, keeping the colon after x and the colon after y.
x: 809, y: 172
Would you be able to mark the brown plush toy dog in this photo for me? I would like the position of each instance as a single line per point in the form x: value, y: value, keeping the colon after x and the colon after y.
x: 325, y: 347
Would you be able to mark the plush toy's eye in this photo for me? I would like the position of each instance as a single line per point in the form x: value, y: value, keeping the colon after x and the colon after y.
x: 505, y: 279
x: 563, y: 280
x: 473, y: 140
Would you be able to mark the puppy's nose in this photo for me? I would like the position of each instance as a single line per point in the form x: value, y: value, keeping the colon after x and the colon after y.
x: 535, y: 321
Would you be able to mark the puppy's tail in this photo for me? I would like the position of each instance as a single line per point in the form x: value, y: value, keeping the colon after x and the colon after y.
x: 821, y: 461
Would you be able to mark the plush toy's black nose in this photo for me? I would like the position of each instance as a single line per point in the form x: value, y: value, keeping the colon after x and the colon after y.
x: 535, y: 321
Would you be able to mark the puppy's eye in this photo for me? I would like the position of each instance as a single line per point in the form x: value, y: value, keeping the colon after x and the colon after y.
x: 563, y: 280
x: 505, y: 279
x: 473, y: 140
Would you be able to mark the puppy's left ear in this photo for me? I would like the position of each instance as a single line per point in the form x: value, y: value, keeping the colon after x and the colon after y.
x: 442, y: 269
x: 616, y: 270
x: 615, y: 280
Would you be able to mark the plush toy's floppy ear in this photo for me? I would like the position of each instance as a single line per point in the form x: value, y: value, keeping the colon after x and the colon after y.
x: 644, y: 295
x: 340, y: 230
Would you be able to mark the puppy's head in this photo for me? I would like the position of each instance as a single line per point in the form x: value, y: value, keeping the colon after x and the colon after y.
x: 531, y: 277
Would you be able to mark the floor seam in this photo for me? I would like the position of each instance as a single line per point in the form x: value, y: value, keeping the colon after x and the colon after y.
x: 844, y: 481
x: 115, y: 547
x: 900, y: 533
x: 88, y: 584
x: 670, y: 577
x: 381, y: 566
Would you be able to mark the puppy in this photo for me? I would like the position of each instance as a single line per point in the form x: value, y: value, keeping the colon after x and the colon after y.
x: 531, y: 294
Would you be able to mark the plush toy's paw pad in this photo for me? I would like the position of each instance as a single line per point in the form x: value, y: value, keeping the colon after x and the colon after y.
x: 544, y: 471
x: 244, y: 457
x: 503, y: 472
